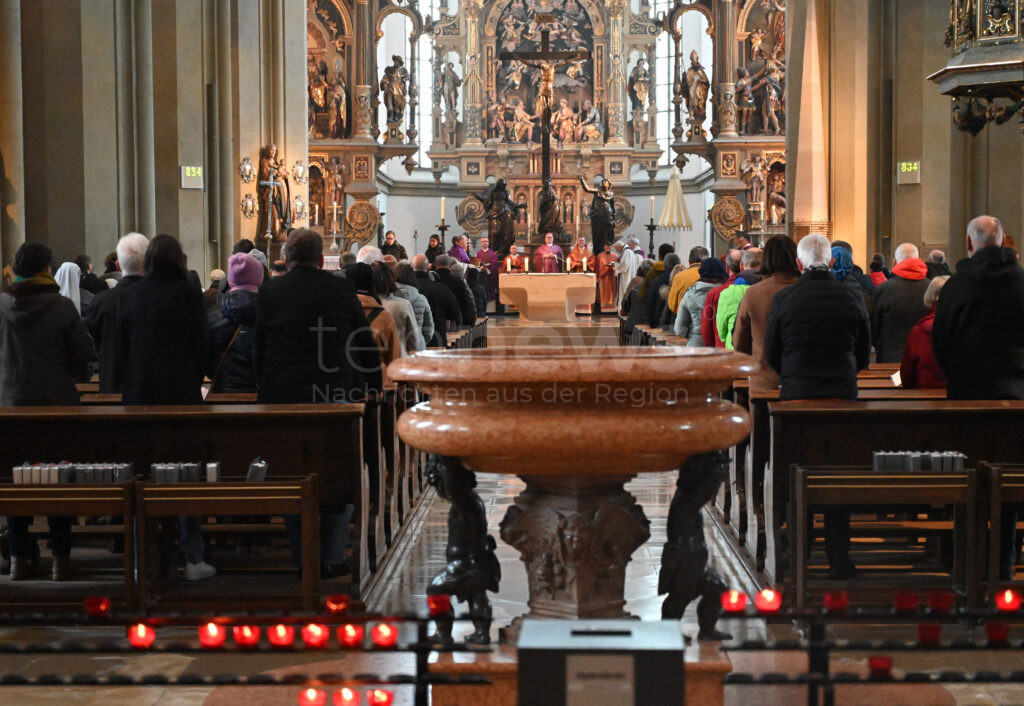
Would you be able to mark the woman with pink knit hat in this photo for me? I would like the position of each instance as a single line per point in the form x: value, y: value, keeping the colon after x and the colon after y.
x: 232, y: 362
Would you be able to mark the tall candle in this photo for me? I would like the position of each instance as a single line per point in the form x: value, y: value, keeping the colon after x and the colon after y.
x: 584, y: 264
x: 442, y: 209
x: 652, y: 207
x: 526, y: 262
x: 508, y: 265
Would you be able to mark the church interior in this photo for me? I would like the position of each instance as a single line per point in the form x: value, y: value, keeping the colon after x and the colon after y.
x: 512, y: 352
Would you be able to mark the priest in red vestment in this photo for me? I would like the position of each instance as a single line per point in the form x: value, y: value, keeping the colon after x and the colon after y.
x: 488, y: 268
x: 548, y: 257
x: 607, y: 287
x: 514, y: 263
x: 580, y: 255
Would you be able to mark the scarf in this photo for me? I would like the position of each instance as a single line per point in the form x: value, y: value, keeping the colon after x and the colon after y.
x: 843, y: 262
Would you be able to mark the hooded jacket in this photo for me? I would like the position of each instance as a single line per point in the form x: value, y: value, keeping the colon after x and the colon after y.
x: 444, y: 307
x: 977, y: 336
x: 44, y: 347
x: 102, y: 322
x: 897, y: 306
x: 709, y: 332
x: 729, y: 304
x: 688, y: 318
x: 238, y: 371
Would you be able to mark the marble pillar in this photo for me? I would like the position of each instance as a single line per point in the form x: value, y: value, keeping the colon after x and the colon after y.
x: 144, y: 147
x: 12, y: 155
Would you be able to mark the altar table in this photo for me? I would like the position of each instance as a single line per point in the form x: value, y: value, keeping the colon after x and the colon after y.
x: 547, y: 297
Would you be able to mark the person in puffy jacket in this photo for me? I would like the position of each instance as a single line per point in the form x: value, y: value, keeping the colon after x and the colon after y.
x: 731, y: 297
x: 232, y: 361
x: 689, y: 323
x: 405, y: 280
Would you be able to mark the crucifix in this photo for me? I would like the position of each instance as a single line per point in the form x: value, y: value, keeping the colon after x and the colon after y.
x: 547, y: 61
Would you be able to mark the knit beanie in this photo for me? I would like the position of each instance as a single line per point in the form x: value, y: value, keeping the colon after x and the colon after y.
x: 244, y: 272
x: 712, y: 268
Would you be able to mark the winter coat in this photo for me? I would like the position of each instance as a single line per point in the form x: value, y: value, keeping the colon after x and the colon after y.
x: 44, y: 347
x: 397, y: 251
x: 818, y: 337
x: 709, y: 333
x: 163, y: 342
x: 898, y: 304
x: 751, y: 322
x: 313, y: 342
x: 420, y: 309
x: 460, y: 290
x: 444, y: 307
x: 238, y: 371
x: 688, y: 319
x: 919, y: 368
x: 409, y: 335
x: 977, y: 335
x: 729, y: 305
x: 102, y: 323
x: 385, y: 333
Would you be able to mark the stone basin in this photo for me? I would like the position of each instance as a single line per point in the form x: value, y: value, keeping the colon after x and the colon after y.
x: 567, y: 411
x: 575, y: 424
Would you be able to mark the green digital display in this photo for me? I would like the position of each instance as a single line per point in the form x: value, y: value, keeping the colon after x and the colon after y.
x: 191, y: 177
x: 908, y: 172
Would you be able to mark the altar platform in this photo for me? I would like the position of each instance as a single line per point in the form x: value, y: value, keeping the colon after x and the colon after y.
x: 549, y: 296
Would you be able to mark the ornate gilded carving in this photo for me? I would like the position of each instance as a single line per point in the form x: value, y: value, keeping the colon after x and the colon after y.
x: 361, y: 221
x: 472, y: 569
x: 363, y: 118
x: 686, y: 573
x: 727, y: 111
x: 726, y: 216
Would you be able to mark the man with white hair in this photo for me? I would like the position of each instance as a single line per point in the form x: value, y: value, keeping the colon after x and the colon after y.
x: 977, y: 334
x: 817, y: 338
x: 369, y: 255
x: 625, y: 268
x: 102, y: 316
x: 937, y: 266
x: 898, y: 304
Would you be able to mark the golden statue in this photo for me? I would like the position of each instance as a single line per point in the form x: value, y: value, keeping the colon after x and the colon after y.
x: 695, y: 90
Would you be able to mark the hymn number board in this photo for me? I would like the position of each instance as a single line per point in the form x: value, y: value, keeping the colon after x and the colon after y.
x: 191, y: 177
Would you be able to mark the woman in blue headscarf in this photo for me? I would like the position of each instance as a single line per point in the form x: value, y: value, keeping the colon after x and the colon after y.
x: 842, y: 264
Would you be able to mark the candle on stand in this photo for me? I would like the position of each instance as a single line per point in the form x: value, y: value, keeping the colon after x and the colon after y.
x: 442, y: 209
x: 335, y: 223
x: 508, y: 265
x: 316, y: 214
x: 584, y: 264
x: 529, y: 227
x: 652, y: 207
x: 526, y: 263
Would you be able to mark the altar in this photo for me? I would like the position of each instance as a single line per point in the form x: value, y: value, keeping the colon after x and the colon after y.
x: 547, y: 297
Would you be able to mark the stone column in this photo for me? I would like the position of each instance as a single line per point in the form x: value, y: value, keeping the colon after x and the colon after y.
x: 12, y: 154
x: 617, y: 77
x: 145, y: 168
x: 227, y: 176
x: 277, y: 40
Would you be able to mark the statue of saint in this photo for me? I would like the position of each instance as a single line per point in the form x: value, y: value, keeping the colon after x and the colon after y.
x: 744, y: 99
x: 563, y: 122
x: 275, y: 213
x: 318, y: 85
x: 450, y: 83
x: 591, y: 126
x: 522, y: 124
x: 777, y: 198
x: 568, y: 209
x: 639, y: 84
x: 498, y: 115
x: 775, y: 11
x: 501, y: 216
x: 393, y: 86
x: 602, y: 213
x: 339, y: 109
x: 774, y: 100
x: 548, y: 257
x: 753, y: 173
x: 695, y: 91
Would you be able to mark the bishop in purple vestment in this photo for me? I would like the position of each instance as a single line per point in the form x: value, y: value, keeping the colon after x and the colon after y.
x: 548, y: 257
x: 489, y: 268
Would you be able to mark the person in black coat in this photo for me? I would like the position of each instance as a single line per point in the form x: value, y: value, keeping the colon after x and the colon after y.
x: 231, y: 365
x: 44, y: 350
x: 443, y: 305
x: 863, y: 280
x: 818, y: 337
x: 163, y: 343
x: 898, y: 304
x: 314, y: 345
x: 392, y: 247
x: 654, y: 303
x: 479, y: 293
x: 434, y: 248
x: 978, y: 338
x: 467, y: 307
x: 102, y: 318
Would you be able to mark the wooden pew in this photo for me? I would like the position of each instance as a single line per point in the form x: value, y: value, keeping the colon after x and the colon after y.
x: 831, y: 432
x: 296, y: 440
x: 1006, y: 485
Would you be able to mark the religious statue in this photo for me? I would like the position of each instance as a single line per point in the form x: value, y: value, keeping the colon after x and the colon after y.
x: 472, y: 569
x: 522, y: 124
x: 563, y: 123
x: 580, y: 257
x: 498, y: 114
x: 753, y: 174
x: 776, y: 198
x: 639, y: 84
x: 450, y: 83
x: 546, y: 77
x: 998, y: 22
x: 602, y: 213
x: 514, y: 74
x: 550, y: 214
x: 513, y: 262
x: 774, y: 100
x: 757, y: 50
x: 548, y: 257
x: 318, y: 84
x: 695, y: 91
x: 607, y: 287
x: 775, y: 11
x: 567, y: 209
x: 744, y: 99
x: 339, y: 110
x: 393, y: 86
x: 275, y: 213
x: 591, y: 126
x: 501, y: 215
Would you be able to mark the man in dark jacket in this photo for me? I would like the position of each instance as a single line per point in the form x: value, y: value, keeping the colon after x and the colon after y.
x: 44, y: 350
x: 655, y: 303
x: 106, y: 307
x: 443, y: 305
x: 314, y: 345
x: 977, y: 334
x: 937, y: 266
x: 393, y: 247
x: 817, y: 338
x: 898, y: 304
x: 458, y: 287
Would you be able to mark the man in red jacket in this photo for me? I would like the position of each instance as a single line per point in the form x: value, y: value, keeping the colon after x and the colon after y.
x: 709, y: 314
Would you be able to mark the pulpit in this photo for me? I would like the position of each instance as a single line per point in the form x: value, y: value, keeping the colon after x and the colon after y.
x: 547, y: 297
